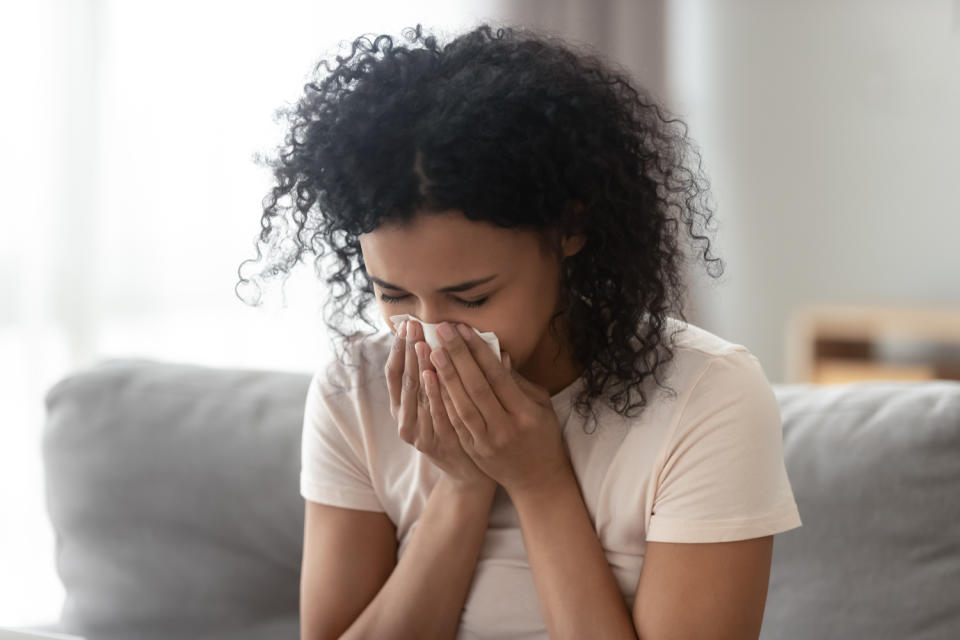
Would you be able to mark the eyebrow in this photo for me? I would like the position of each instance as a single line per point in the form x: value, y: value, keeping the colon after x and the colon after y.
x: 463, y: 286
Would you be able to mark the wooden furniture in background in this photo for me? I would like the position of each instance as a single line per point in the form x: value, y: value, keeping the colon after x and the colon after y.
x: 829, y: 344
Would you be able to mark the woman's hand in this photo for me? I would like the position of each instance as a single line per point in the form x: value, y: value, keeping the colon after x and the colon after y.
x: 505, y: 423
x: 416, y: 404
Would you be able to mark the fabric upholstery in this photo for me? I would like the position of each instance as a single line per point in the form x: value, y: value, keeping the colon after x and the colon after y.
x: 173, y: 493
x: 875, y: 473
x: 172, y: 490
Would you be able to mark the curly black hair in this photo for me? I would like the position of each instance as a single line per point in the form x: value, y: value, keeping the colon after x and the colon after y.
x: 514, y: 127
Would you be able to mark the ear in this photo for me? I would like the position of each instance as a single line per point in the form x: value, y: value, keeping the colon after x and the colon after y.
x: 573, y: 244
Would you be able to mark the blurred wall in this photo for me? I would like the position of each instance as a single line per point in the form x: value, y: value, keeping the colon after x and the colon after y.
x: 831, y: 130
x: 631, y: 32
x: 830, y: 133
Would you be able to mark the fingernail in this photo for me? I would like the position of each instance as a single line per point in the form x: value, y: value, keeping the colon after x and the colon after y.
x: 445, y: 331
x: 440, y: 358
x: 464, y: 331
x: 402, y: 331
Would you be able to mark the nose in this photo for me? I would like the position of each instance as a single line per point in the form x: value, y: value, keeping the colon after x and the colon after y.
x: 429, y: 319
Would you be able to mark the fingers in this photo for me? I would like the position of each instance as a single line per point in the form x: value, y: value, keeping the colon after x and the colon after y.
x: 410, y: 386
x: 442, y: 426
x: 394, y: 368
x: 452, y: 419
x: 433, y: 422
x: 476, y: 381
x: 528, y: 387
x: 424, y: 410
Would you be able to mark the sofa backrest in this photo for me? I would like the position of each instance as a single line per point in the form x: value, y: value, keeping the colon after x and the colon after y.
x: 875, y: 470
x: 174, y: 497
x: 173, y: 491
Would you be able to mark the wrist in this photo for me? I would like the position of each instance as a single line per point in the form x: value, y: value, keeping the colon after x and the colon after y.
x: 563, y: 479
x: 479, y: 493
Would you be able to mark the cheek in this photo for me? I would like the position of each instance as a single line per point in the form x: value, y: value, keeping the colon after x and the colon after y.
x: 502, y: 325
x: 515, y: 329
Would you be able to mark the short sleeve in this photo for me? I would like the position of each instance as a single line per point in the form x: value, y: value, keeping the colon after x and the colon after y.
x: 723, y: 476
x: 332, y: 469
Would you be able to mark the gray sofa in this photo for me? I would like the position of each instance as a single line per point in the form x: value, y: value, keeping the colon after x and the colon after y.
x: 173, y: 493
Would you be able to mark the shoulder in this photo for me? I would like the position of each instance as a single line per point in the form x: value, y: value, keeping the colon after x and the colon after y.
x: 690, y: 338
x: 703, y: 358
x: 710, y: 362
x: 722, y: 388
x: 700, y: 371
x: 361, y: 366
x: 706, y: 376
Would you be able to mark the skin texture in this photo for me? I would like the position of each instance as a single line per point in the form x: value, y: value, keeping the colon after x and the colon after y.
x: 438, y: 250
x: 712, y: 590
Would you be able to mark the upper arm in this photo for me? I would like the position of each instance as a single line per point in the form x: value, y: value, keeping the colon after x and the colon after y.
x: 348, y: 554
x: 703, y: 590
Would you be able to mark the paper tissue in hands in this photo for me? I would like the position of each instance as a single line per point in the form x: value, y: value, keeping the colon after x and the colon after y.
x: 430, y: 333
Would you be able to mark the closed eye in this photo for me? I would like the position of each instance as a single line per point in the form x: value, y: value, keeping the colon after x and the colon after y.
x: 467, y: 303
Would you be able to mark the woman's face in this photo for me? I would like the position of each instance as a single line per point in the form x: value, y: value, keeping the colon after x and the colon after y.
x: 495, y: 279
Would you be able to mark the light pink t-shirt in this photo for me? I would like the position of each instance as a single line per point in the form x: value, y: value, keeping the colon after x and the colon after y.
x: 703, y: 466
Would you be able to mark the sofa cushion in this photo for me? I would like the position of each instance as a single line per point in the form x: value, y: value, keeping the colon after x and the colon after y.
x: 875, y: 473
x: 173, y: 493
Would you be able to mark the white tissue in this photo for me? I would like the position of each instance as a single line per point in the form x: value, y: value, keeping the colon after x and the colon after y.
x: 430, y: 333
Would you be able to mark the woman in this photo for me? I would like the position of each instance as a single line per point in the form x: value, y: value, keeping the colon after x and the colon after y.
x: 613, y: 471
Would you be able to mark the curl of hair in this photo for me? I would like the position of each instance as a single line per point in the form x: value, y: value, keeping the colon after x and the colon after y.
x: 516, y: 128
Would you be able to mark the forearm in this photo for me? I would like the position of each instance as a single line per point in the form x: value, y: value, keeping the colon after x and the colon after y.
x: 578, y: 594
x: 425, y: 594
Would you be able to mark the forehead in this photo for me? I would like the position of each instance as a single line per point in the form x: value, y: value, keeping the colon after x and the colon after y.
x: 437, y: 244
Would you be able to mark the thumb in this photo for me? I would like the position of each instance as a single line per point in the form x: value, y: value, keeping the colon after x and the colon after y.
x: 534, y: 391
